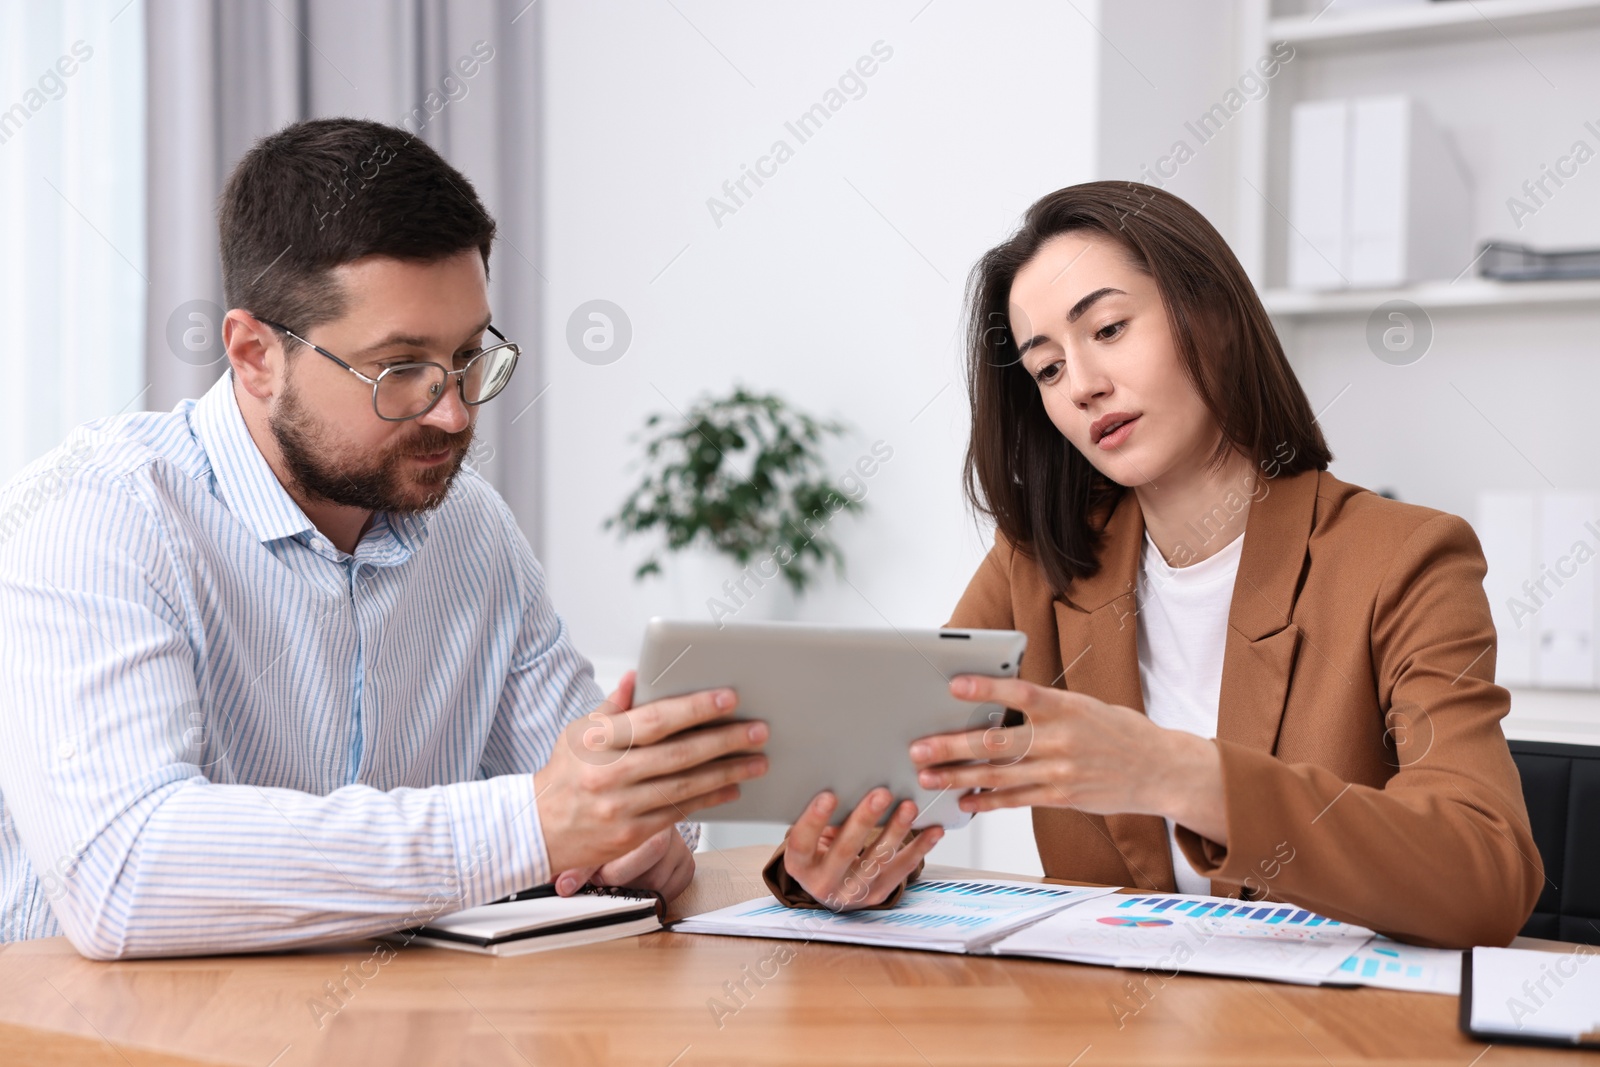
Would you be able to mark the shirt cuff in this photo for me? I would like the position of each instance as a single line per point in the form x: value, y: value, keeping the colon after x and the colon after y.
x: 499, y: 843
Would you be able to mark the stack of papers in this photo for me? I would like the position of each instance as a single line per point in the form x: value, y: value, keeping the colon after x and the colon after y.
x: 939, y: 916
x: 1167, y: 932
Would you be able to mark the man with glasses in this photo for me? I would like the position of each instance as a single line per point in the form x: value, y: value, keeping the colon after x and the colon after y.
x: 278, y: 669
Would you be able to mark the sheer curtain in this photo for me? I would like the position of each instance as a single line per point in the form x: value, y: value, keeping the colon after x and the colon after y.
x: 224, y: 74
x: 73, y: 272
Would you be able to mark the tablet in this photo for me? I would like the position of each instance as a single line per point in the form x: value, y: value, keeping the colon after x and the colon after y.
x: 843, y: 705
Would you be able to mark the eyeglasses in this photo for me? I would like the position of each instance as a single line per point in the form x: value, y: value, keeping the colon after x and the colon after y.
x: 410, y: 390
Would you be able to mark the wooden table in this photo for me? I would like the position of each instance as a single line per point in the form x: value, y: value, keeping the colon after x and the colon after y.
x: 647, y: 1001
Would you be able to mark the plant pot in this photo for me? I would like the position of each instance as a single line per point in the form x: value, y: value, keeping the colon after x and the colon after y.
x: 710, y: 586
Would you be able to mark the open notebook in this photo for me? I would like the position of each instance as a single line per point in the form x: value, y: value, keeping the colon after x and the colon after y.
x: 1158, y: 932
x: 538, y: 919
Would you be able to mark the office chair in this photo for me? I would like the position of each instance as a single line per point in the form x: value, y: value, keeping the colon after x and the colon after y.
x: 1561, y: 784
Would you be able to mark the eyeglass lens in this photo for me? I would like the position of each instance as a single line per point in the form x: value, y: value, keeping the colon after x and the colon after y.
x: 410, y: 389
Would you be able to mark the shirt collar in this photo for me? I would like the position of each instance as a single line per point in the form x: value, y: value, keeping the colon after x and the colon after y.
x: 393, y: 538
x: 245, y: 480
x: 1271, y: 557
x: 247, y: 485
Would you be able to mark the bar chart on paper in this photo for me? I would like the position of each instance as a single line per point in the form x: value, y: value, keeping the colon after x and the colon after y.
x: 1228, y: 917
x: 1395, y: 965
x: 1380, y: 962
x: 1193, y: 933
x: 941, y: 906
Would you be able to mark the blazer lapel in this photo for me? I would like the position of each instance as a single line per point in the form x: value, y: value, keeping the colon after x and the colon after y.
x: 1262, y: 643
x: 1098, y: 627
x: 1097, y: 624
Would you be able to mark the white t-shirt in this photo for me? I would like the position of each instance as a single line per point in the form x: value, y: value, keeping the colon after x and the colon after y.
x: 1183, y: 629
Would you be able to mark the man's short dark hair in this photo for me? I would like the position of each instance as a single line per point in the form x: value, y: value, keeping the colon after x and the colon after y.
x: 325, y: 192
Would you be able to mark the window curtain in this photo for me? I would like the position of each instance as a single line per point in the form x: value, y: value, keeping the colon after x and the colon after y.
x: 73, y: 276
x: 223, y: 74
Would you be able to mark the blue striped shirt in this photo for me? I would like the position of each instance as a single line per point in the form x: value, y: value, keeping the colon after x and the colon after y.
x: 221, y: 733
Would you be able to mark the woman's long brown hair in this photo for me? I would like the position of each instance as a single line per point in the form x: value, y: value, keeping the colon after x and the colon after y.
x: 1043, y: 495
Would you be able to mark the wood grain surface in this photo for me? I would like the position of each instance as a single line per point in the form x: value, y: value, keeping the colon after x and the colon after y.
x: 653, y: 1001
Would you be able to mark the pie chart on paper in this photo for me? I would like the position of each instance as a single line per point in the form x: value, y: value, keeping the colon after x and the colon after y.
x: 1128, y: 920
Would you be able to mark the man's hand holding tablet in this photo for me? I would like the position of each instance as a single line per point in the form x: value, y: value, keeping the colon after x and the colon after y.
x: 621, y: 776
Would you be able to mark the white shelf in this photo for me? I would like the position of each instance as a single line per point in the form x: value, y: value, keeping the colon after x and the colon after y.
x: 1429, y: 23
x: 1468, y: 293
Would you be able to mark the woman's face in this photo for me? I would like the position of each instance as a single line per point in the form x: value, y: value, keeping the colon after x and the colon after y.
x: 1095, y: 339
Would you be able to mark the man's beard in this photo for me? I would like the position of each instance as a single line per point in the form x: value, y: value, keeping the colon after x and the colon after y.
x: 389, y: 483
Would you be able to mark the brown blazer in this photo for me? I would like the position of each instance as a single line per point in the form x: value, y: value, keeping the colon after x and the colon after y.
x: 1364, y: 772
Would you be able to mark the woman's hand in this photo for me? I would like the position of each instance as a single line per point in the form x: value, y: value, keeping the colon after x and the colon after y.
x: 1076, y: 751
x: 851, y: 865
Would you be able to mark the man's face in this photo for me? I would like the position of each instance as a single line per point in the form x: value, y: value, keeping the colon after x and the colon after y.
x: 334, y: 444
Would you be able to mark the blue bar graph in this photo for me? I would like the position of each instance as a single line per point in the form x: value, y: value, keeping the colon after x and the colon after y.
x: 1215, y: 909
x: 1388, y: 963
x: 972, y: 889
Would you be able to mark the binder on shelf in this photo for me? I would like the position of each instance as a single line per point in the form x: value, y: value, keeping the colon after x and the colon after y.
x: 1317, y: 187
x: 1505, y: 526
x: 1564, y: 650
x: 1410, y: 201
x: 1543, y: 586
x: 1378, y: 197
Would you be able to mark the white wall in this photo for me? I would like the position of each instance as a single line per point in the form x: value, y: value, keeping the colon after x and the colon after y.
x: 1164, y: 64
x: 838, y: 283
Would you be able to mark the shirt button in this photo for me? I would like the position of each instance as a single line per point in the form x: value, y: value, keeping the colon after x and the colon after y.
x: 67, y: 749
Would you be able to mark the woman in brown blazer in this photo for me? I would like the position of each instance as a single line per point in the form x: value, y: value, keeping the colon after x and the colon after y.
x: 1323, y: 724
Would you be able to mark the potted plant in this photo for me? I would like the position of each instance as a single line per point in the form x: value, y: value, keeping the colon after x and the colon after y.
x: 740, y: 475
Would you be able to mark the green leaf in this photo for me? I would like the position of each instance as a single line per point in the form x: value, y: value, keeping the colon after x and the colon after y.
x: 690, y: 494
